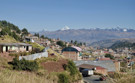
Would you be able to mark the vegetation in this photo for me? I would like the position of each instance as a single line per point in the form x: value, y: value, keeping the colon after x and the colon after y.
x: 36, y: 46
x: 61, y: 43
x: 36, y: 34
x: 7, y: 39
x: 9, y: 26
x: 123, y: 45
x: 63, y: 78
x: 109, y: 56
x: 42, y: 36
x: 9, y: 29
x: 74, y: 73
x: 72, y: 68
x: 20, y: 54
x: 77, y: 43
x: 25, y: 32
x: 24, y: 65
x: 8, y: 75
x: 122, y: 78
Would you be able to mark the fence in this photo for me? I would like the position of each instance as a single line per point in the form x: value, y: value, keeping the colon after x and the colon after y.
x: 34, y: 56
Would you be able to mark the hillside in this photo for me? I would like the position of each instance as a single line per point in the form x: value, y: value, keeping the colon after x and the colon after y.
x: 53, y: 69
x: 123, y: 44
x: 89, y: 35
x: 7, y: 39
x: 110, y: 42
x: 7, y: 28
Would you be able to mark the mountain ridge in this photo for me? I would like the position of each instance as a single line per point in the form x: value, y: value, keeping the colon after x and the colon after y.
x: 90, y: 35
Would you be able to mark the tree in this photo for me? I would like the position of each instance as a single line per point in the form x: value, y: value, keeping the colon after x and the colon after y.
x: 81, y: 43
x: 13, y: 34
x: 71, y: 41
x: 109, y: 56
x: 3, y: 32
x: 42, y: 36
x: 25, y: 31
x: 84, y: 44
x: 36, y: 34
x: 61, y: 43
x: 75, y: 42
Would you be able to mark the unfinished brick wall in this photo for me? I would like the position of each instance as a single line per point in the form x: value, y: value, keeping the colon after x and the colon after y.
x: 70, y: 55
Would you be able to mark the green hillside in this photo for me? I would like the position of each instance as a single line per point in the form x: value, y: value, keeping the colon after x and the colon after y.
x: 7, y: 39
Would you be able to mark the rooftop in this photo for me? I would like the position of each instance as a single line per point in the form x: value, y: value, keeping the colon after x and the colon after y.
x: 73, y: 48
x: 108, y: 64
x: 88, y: 66
x: 15, y: 44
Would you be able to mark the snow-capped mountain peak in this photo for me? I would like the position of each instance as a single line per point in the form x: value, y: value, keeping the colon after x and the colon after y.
x: 65, y: 28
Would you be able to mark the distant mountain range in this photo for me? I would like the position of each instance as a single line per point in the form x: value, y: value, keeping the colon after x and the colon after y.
x: 110, y: 42
x: 90, y: 35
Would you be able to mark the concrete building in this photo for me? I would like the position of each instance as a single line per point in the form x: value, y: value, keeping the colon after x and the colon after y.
x: 15, y: 47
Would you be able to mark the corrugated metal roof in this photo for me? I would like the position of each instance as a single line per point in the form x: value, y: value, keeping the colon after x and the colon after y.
x: 88, y: 66
x: 73, y: 48
x: 108, y: 64
x: 69, y: 49
x: 78, y: 48
x: 15, y: 44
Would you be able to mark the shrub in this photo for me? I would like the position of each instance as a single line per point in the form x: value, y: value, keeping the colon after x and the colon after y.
x: 63, y: 78
x: 36, y: 50
x: 116, y: 75
x: 24, y: 65
x: 14, y: 54
x: 109, y: 56
x: 72, y: 68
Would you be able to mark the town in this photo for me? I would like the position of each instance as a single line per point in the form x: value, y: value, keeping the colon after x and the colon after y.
x: 67, y: 41
x: 100, y: 63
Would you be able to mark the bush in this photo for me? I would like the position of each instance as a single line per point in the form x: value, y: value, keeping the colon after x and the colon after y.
x: 24, y: 65
x: 24, y: 53
x: 116, y: 75
x: 109, y: 56
x: 71, y: 67
x: 36, y: 50
x: 14, y: 54
x: 63, y: 78
x: 61, y: 43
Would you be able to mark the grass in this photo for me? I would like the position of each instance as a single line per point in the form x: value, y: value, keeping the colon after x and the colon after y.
x: 123, y: 78
x: 8, y: 75
x: 7, y: 39
x: 36, y: 45
x: 50, y: 51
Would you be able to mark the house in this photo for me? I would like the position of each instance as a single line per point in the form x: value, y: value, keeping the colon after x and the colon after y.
x: 110, y: 65
x: 31, y: 38
x: 73, y: 53
x: 15, y: 47
x: 96, y: 69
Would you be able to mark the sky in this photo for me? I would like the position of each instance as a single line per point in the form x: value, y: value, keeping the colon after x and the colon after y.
x: 36, y: 15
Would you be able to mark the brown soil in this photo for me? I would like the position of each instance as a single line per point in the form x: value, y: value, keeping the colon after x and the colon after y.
x: 6, y: 55
x: 53, y: 66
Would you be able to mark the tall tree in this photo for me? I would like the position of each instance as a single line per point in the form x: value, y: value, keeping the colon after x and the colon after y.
x: 42, y: 36
x: 25, y: 31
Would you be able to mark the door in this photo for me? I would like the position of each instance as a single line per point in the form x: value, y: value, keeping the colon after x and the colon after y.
x: 6, y: 48
x: 27, y: 48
